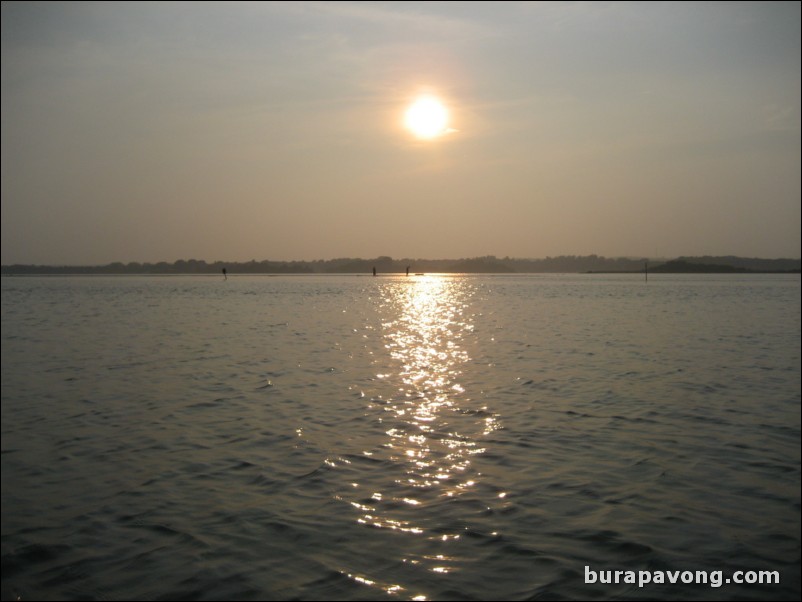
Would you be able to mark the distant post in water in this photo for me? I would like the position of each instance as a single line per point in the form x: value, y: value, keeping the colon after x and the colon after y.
x: 374, y: 270
x: 225, y: 274
x: 646, y: 271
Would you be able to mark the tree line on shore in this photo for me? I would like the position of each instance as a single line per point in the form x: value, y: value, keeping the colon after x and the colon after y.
x: 477, y: 265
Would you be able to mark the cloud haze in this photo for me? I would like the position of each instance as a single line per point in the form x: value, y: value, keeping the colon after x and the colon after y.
x: 148, y: 132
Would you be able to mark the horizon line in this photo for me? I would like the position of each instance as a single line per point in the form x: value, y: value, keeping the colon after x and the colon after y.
x: 387, y: 258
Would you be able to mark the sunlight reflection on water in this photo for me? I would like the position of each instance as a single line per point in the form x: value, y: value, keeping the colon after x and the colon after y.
x: 432, y: 426
x: 424, y: 341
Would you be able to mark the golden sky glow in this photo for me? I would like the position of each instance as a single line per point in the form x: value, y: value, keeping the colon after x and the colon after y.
x: 147, y: 132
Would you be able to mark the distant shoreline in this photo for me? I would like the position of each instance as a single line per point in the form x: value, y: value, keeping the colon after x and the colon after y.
x: 589, y: 264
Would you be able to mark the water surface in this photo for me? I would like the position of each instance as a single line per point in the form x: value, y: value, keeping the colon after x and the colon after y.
x: 430, y: 437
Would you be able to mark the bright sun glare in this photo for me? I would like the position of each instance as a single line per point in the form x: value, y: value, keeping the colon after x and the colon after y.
x: 427, y: 117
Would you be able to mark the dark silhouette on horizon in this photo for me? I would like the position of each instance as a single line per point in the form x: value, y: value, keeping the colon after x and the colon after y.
x: 476, y: 265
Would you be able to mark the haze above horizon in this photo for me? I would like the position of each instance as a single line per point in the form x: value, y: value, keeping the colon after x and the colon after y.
x: 147, y: 132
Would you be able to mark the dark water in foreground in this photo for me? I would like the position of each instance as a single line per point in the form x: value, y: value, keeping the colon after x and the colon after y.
x: 427, y: 438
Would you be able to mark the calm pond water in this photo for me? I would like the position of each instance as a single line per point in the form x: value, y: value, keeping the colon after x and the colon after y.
x: 430, y: 437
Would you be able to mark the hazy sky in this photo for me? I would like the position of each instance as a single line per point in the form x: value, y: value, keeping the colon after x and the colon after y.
x: 237, y: 131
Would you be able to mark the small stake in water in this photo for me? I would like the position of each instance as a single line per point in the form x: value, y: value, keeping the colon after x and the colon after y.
x: 225, y: 274
x: 646, y: 271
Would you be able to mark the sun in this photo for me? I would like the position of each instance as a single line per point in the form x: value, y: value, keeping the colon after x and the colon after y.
x: 427, y: 117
